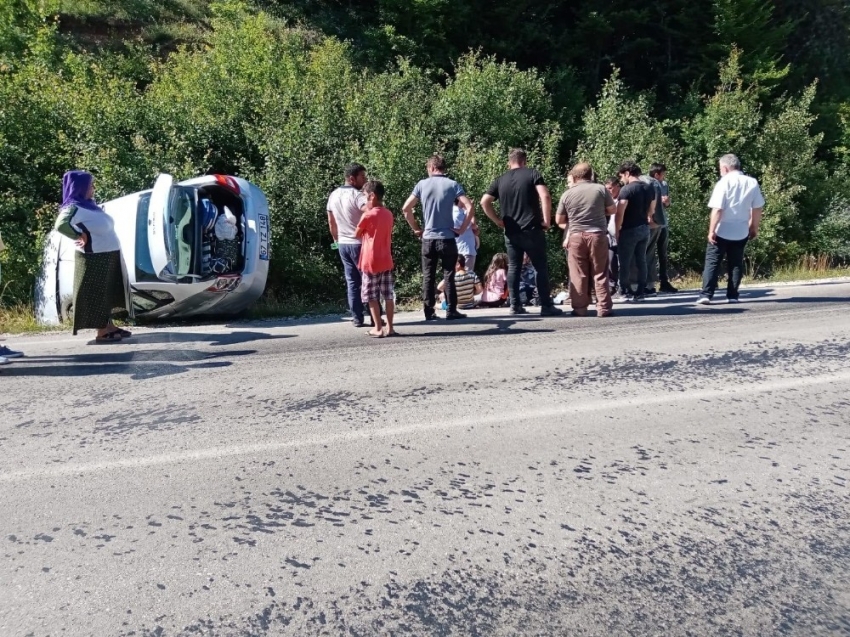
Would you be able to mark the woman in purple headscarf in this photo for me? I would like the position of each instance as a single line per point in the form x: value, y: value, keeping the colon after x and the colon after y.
x: 98, y: 275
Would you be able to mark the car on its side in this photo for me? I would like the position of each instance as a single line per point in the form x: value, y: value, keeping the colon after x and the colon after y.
x: 168, y: 244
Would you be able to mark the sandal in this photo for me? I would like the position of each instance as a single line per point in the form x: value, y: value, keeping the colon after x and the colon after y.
x: 109, y: 337
x: 372, y: 335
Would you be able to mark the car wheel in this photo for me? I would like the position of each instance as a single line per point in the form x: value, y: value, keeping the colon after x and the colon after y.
x: 67, y: 310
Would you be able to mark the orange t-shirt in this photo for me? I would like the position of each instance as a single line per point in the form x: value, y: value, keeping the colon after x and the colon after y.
x: 376, y: 231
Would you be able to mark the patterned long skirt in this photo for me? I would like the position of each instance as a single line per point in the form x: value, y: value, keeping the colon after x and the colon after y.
x: 98, y: 289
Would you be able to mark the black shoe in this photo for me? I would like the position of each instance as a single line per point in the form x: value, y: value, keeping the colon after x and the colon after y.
x: 666, y: 288
x: 639, y: 298
x: 432, y: 317
x: 357, y: 323
x: 650, y: 291
x: 518, y: 310
x: 454, y: 316
x: 551, y: 310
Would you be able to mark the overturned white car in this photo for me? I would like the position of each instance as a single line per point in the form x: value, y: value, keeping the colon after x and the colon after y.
x: 198, y: 247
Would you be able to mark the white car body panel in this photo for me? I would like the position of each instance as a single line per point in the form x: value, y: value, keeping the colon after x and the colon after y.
x: 191, y: 296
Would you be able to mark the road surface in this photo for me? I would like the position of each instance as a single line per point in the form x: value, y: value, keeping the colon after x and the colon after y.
x: 672, y: 471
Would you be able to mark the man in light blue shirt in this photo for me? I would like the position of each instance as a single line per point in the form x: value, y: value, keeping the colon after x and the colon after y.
x: 437, y: 194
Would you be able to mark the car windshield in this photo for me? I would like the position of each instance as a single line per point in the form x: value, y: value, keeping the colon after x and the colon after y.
x: 180, y: 231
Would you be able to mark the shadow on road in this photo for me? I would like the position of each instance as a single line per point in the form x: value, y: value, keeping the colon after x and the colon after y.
x: 138, y: 365
x: 233, y: 338
x: 496, y: 326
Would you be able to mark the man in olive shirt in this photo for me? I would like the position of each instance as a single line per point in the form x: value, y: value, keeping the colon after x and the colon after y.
x: 526, y: 208
x: 584, y: 210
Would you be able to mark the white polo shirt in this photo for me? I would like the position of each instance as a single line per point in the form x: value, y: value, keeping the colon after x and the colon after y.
x: 735, y: 195
x: 345, y: 204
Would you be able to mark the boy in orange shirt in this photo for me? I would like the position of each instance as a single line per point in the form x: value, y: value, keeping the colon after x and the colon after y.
x: 376, y: 260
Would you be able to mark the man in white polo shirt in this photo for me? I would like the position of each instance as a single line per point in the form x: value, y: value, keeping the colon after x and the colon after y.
x: 736, y: 206
x: 345, y: 207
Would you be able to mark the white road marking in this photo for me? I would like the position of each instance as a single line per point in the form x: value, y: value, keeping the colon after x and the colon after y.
x: 216, y: 453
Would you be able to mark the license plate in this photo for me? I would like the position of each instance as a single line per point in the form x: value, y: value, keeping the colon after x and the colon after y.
x: 264, y: 238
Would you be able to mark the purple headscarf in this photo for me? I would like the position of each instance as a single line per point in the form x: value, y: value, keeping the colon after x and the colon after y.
x: 75, y: 187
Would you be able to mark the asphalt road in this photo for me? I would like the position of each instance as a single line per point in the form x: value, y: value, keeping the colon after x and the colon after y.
x: 671, y: 471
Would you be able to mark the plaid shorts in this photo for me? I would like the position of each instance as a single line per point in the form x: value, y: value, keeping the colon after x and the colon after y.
x: 378, y: 285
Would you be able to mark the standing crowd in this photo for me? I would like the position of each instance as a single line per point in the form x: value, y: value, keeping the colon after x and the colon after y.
x: 615, y: 235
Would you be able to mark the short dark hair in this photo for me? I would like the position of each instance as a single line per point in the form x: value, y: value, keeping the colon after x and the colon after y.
x: 629, y: 167
x: 613, y: 180
x: 352, y: 170
x: 657, y: 168
x: 437, y: 162
x: 375, y: 187
x: 517, y: 156
x: 461, y: 260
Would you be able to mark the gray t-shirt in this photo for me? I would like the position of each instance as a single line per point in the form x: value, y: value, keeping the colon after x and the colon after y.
x: 437, y: 195
x: 584, y: 206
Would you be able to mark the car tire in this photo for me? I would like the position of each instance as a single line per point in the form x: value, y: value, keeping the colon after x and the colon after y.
x: 67, y: 310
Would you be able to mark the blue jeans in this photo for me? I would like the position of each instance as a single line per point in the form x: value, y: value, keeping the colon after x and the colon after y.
x: 350, y: 255
x: 632, y: 246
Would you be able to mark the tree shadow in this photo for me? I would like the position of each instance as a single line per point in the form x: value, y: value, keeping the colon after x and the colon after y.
x: 138, y: 365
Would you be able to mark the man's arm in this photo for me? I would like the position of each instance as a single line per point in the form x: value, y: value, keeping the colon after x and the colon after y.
x: 621, y: 213
x: 610, y: 211
x: 713, y: 223
x: 545, y: 205
x: 469, y: 208
x: 490, y: 211
x: 561, y: 219
x: 650, y: 214
x: 409, y: 205
x: 755, y: 221
x: 332, y: 226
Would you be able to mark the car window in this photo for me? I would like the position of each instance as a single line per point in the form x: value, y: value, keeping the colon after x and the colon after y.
x: 180, y: 231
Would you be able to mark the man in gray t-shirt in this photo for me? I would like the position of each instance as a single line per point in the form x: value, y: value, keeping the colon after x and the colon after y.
x: 437, y: 194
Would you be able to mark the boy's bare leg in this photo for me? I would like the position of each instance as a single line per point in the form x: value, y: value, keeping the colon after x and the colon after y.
x: 375, y: 311
x: 390, y: 315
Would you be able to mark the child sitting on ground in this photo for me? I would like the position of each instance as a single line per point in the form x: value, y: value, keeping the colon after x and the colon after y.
x: 495, y: 283
x: 376, y: 260
x: 466, y: 284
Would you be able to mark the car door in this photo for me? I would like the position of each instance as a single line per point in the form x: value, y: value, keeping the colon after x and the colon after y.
x: 158, y: 215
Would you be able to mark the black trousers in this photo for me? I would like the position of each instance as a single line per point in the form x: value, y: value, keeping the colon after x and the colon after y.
x: 442, y: 252
x: 533, y: 243
x: 714, y: 253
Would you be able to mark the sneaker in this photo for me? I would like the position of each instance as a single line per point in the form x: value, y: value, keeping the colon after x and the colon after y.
x: 5, y: 352
x: 4, y: 360
x: 650, y: 292
x: 638, y: 298
x: 704, y: 300
x: 455, y: 316
x: 432, y: 317
x: 727, y: 300
x: 666, y: 288
x: 619, y: 297
x: 518, y: 310
x: 551, y: 310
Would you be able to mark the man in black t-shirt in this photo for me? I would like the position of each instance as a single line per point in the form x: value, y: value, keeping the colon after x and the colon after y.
x: 634, y: 214
x: 526, y: 208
